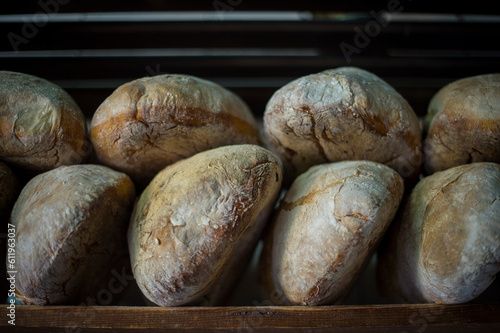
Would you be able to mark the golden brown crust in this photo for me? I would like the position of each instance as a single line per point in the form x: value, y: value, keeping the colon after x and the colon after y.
x: 446, y: 249
x: 463, y: 124
x: 8, y: 192
x: 342, y: 114
x: 41, y: 126
x: 326, y: 229
x: 198, y: 219
x: 70, y: 224
x: 152, y: 122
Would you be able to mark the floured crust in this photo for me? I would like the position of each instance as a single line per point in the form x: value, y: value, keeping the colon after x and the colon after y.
x: 342, y: 114
x: 41, y: 127
x: 463, y: 124
x: 152, y: 122
x: 447, y: 246
x: 198, y: 219
x: 326, y: 228
x: 8, y: 192
x: 70, y: 223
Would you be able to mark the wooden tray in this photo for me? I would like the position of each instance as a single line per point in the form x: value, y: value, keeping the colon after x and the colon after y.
x: 370, y: 318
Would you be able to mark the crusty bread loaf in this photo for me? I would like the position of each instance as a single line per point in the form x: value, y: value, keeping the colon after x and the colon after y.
x: 197, y: 222
x: 446, y: 248
x: 41, y: 127
x: 152, y: 122
x: 8, y: 192
x: 342, y: 114
x: 326, y: 229
x: 463, y: 124
x: 70, y: 224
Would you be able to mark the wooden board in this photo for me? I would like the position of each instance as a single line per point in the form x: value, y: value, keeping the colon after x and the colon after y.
x: 383, y: 318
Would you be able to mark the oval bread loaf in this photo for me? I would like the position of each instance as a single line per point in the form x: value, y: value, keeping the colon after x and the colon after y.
x: 463, y: 124
x: 8, y: 192
x: 70, y: 222
x: 152, y: 122
x: 342, y: 114
x: 198, y: 221
x: 41, y: 127
x: 446, y: 248
x: 326, y: 229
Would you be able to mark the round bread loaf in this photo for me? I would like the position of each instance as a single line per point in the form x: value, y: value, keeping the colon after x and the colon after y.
x: 8, y: 192
x: 196, y: 224
x: 70, y: 223
x: 152, y: 122
x: 446, y: 247
x: 41, y: 127
x: 342, y: 114
x: 326, y: 229
x: 463, y: 124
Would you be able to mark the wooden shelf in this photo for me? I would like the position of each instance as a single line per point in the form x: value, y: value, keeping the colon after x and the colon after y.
x: 368, y: 318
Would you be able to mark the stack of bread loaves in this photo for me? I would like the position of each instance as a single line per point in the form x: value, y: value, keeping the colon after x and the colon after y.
x: 445, y: 247
x: 192, y: 227
x: 343, y: 143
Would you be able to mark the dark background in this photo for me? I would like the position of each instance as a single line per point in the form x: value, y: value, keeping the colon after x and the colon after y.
x: 426, y: 47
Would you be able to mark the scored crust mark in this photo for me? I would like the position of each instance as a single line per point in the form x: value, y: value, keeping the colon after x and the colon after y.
x: 309, y: 197
x: 440, y: 138
x: 316, y: 140
x: 374, y: 123
x: 326, y: 283
x: 468, y: 153
x: 426, y: 267
x: 441, y: 192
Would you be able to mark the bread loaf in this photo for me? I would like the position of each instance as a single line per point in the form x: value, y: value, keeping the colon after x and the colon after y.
x: 327, y: 227
x: 41, y: 127
x: 8, y: 192
x: 342, y: 114
x: 463, y: 123
x: 70, y: 225
x: 446, y: 248
x: 198, y: 221
x: 152, y: 122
